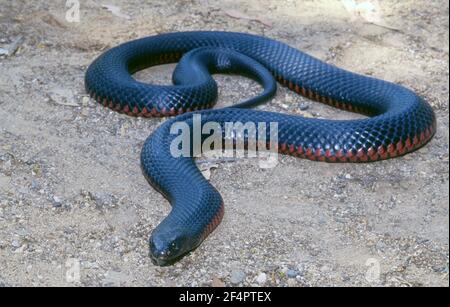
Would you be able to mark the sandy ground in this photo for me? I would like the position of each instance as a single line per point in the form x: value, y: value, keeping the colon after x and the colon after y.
x: 75, y: 209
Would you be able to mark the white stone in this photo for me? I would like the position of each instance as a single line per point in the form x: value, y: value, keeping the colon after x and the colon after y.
x: 261, y: 279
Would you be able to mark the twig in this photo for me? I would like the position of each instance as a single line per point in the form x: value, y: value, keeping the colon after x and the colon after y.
x: 62, y: 103
x: 238, y: 15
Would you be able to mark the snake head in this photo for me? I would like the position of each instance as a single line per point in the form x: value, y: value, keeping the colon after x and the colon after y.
x: 167, y: 247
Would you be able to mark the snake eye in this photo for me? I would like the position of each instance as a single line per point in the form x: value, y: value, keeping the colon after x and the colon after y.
x: 174, y: 246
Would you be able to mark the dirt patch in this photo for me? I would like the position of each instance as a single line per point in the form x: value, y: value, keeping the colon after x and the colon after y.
x: 71, y: 189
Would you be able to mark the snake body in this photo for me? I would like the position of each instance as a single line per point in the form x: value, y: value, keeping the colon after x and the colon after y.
x: 399, y: 121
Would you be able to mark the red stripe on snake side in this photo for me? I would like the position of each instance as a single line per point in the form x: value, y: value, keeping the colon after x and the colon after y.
x: 214, y: 222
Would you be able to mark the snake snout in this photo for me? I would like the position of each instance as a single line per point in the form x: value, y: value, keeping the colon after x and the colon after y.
x: 158, y: 254
x: 168, y: 248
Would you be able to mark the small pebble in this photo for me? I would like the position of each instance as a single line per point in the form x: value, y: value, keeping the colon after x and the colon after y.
x: 237, y: 277
x: 438, y: 269
x: 303, y: 106
x: 292, y: 273
x: 85, y: 101
x: 57, y: 202
x: 104, y: 200
x: 261, y: 279
x: 35, y: 185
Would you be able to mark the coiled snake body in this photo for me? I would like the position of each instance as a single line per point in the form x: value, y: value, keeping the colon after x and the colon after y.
x: 399, y: 120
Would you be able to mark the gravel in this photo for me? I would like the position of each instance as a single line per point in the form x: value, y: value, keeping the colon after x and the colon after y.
x: 73, y: 198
